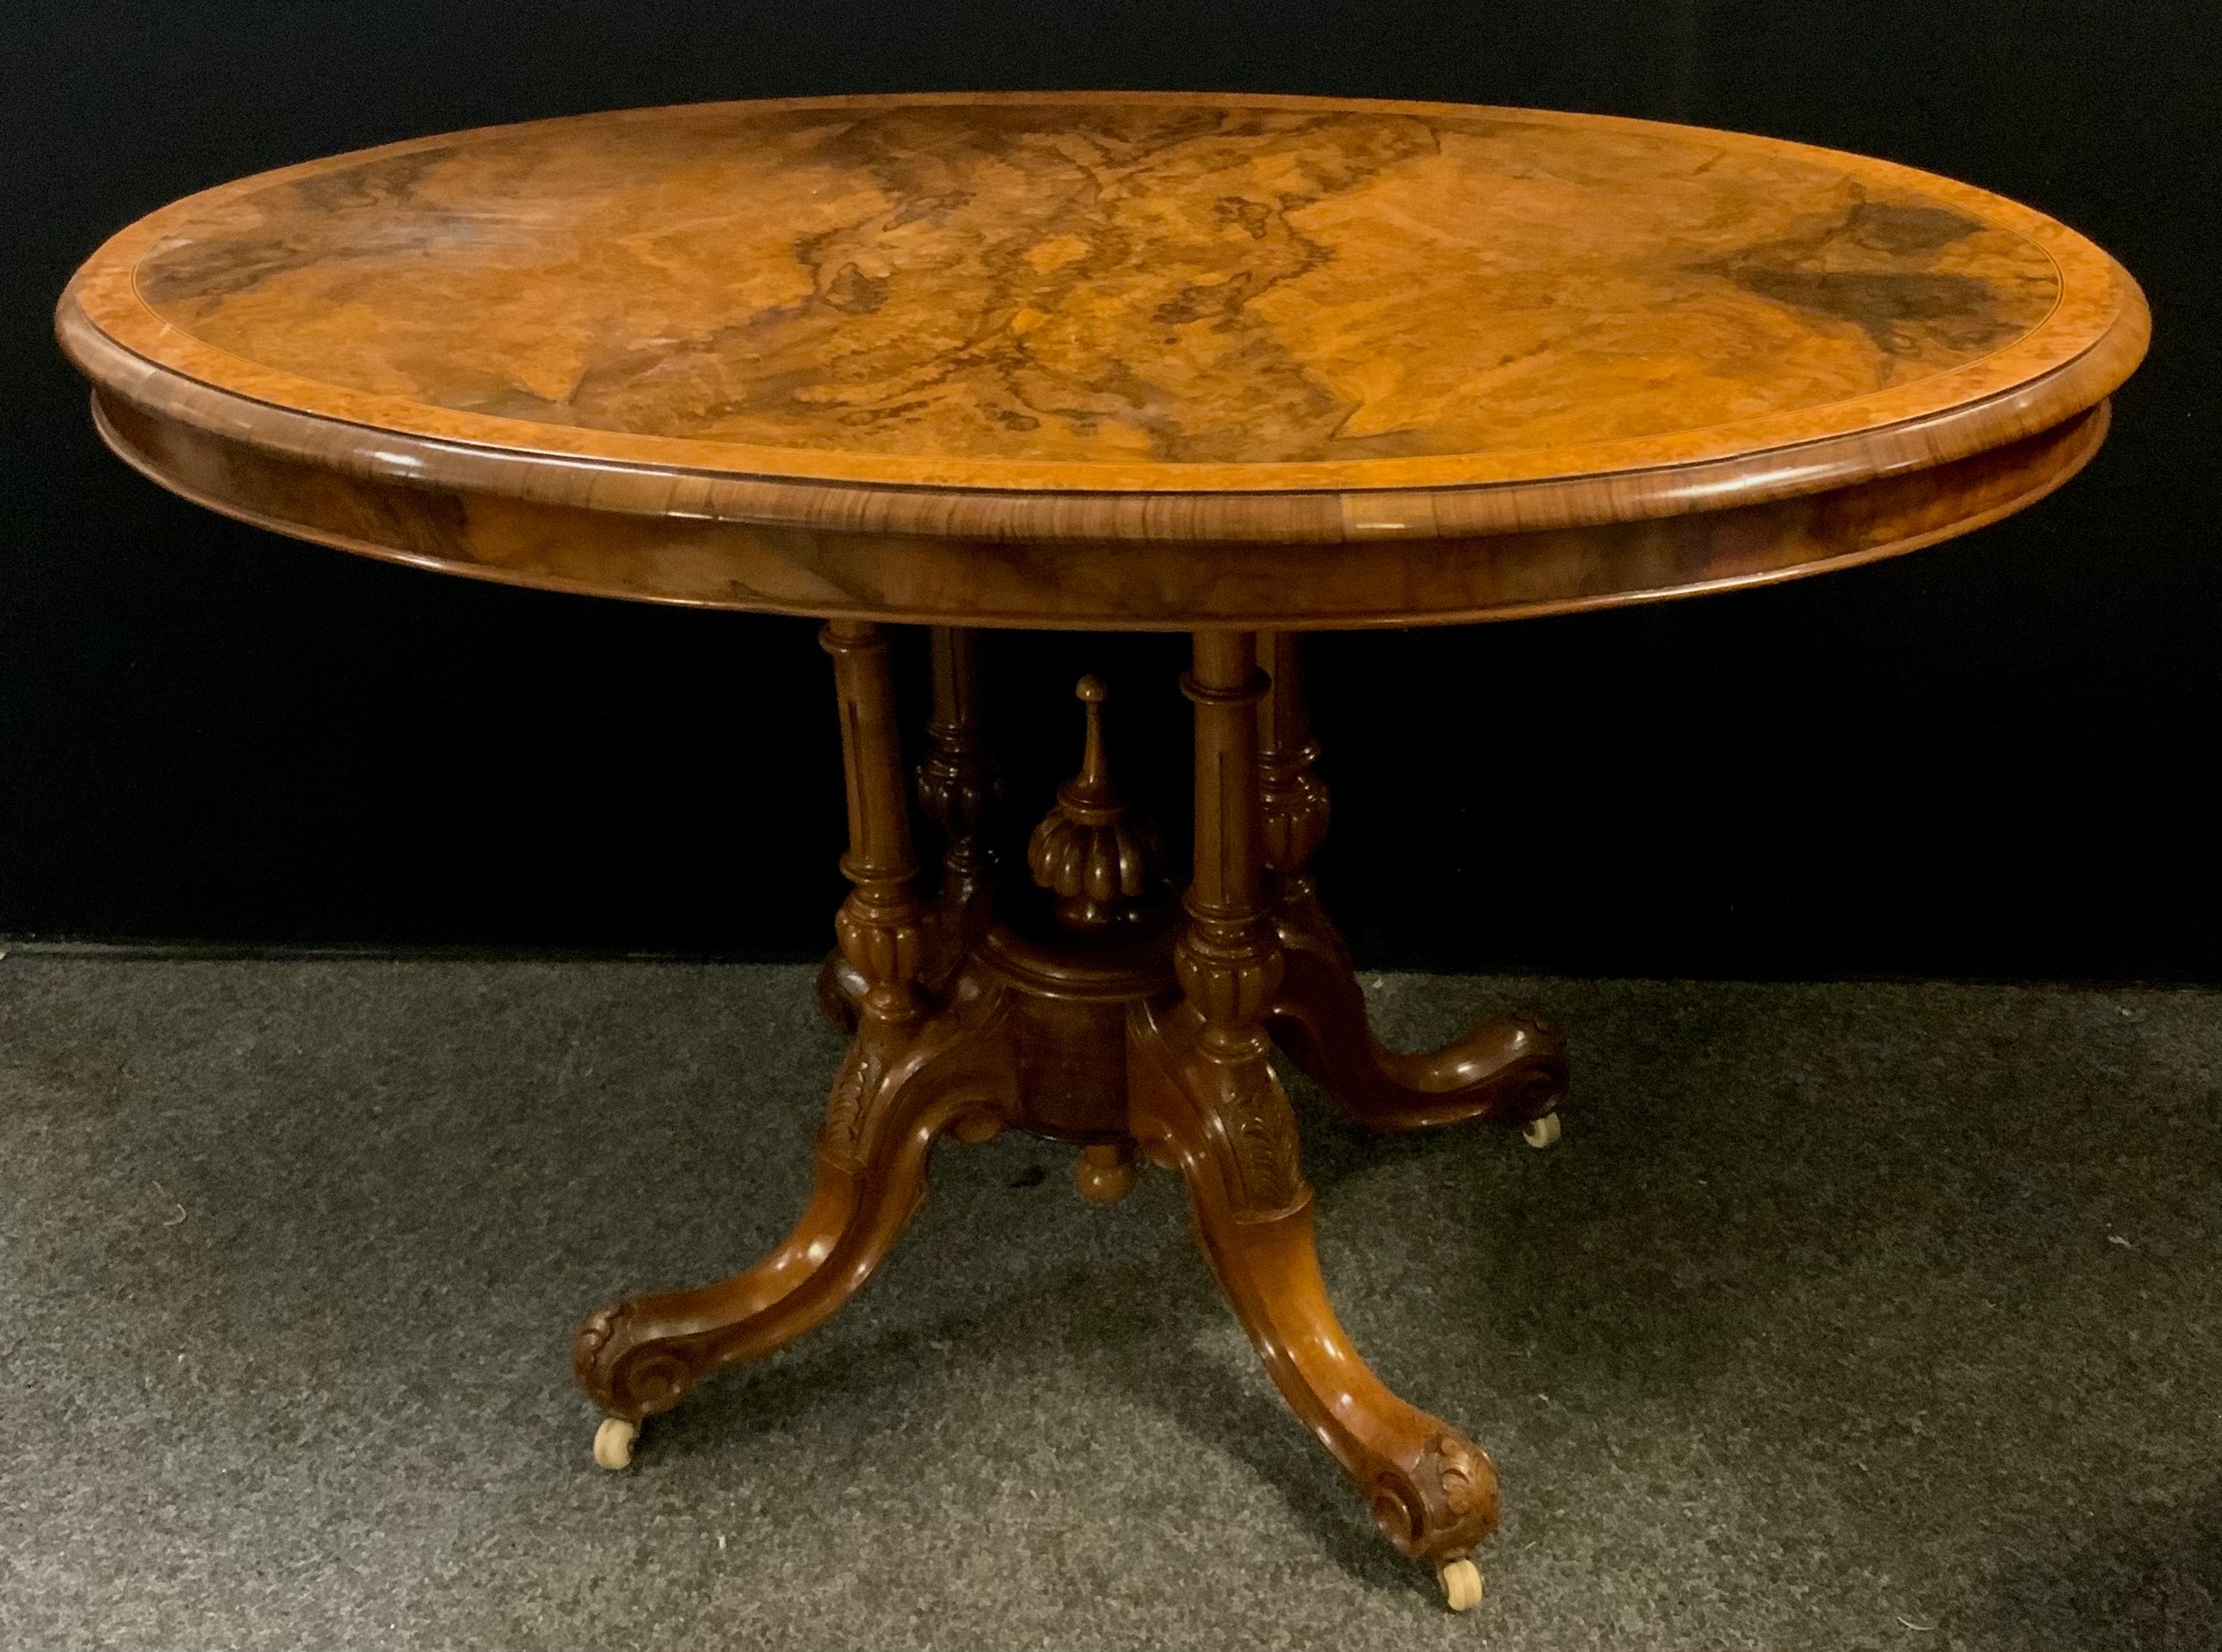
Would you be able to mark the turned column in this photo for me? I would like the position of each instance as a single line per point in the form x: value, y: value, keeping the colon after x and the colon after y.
x: 1204, y: 1098
x: 1293, y: 798
x: 957, y: 790
x: 955, y: 782
x: 881, y: 925
x: 1228, y: 958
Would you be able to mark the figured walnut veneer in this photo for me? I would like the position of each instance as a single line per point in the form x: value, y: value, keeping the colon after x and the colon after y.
x: 792, y: 343
x: 1238, y: 365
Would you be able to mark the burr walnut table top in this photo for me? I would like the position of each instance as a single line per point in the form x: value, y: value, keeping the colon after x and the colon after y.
x: 1107, y: 359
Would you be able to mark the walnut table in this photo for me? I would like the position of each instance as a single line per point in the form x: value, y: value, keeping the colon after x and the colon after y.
x: 1237, y: 366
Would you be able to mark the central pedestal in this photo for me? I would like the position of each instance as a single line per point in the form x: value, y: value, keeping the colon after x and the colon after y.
x: 1068, y: 1009
x: 1125, y: 1022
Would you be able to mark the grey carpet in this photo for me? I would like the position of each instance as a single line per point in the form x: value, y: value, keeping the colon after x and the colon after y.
x: 1845, y: 1317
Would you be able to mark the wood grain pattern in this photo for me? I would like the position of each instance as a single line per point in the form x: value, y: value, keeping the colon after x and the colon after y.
x: 1115, y: 1036
x: 1165, y: 584
x: 1109, y: 316
x: 1238, y: 365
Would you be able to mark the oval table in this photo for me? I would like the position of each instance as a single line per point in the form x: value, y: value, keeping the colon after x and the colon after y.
x: 1238, y: 366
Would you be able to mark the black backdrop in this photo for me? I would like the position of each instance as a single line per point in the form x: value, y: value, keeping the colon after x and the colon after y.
x: 1987, y: 759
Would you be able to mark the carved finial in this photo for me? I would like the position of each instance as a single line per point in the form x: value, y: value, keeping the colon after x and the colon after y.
x: 1101, y: 859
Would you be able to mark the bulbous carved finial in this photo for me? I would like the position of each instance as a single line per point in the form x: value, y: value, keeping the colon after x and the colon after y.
x: 1101, y: 859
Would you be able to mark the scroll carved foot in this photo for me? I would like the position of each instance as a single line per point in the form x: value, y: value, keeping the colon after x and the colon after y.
x: 1227, y: 1126
x: 900, y: 1088
x: 1510, y: 1070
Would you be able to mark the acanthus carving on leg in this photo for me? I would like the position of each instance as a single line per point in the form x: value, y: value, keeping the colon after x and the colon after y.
x: 1227, y: 1126
x: 1204, y: 1099
x: 1113, y: 1055
x: 897, y: 1093
x: 1227, y: 959
x: 1227, y: 972
x: 913, y: 1071
x: 1508, y: 1070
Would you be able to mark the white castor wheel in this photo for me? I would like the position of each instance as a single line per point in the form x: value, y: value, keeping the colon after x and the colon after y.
x: 1540, y: 1132
x: 1461, y: 1582
x: 614, y: 1442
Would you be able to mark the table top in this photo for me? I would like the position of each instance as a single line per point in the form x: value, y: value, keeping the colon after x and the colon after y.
x: 1080, y: 318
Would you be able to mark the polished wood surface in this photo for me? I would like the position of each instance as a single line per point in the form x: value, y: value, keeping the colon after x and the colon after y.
x: 790, y: 343
x: 1166, y: 585
x: 1100, y: 857
x: 1240, y: 366
x: 1129, y: 1028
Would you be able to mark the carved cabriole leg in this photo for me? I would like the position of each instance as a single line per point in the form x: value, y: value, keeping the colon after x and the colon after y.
x: 911, y: 1072
x: 1507, y: 1071
x: 956, y: 790
x: 1204, y: 1100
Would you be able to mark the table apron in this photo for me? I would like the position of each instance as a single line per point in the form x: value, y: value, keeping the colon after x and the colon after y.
x: 1143, y: 586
